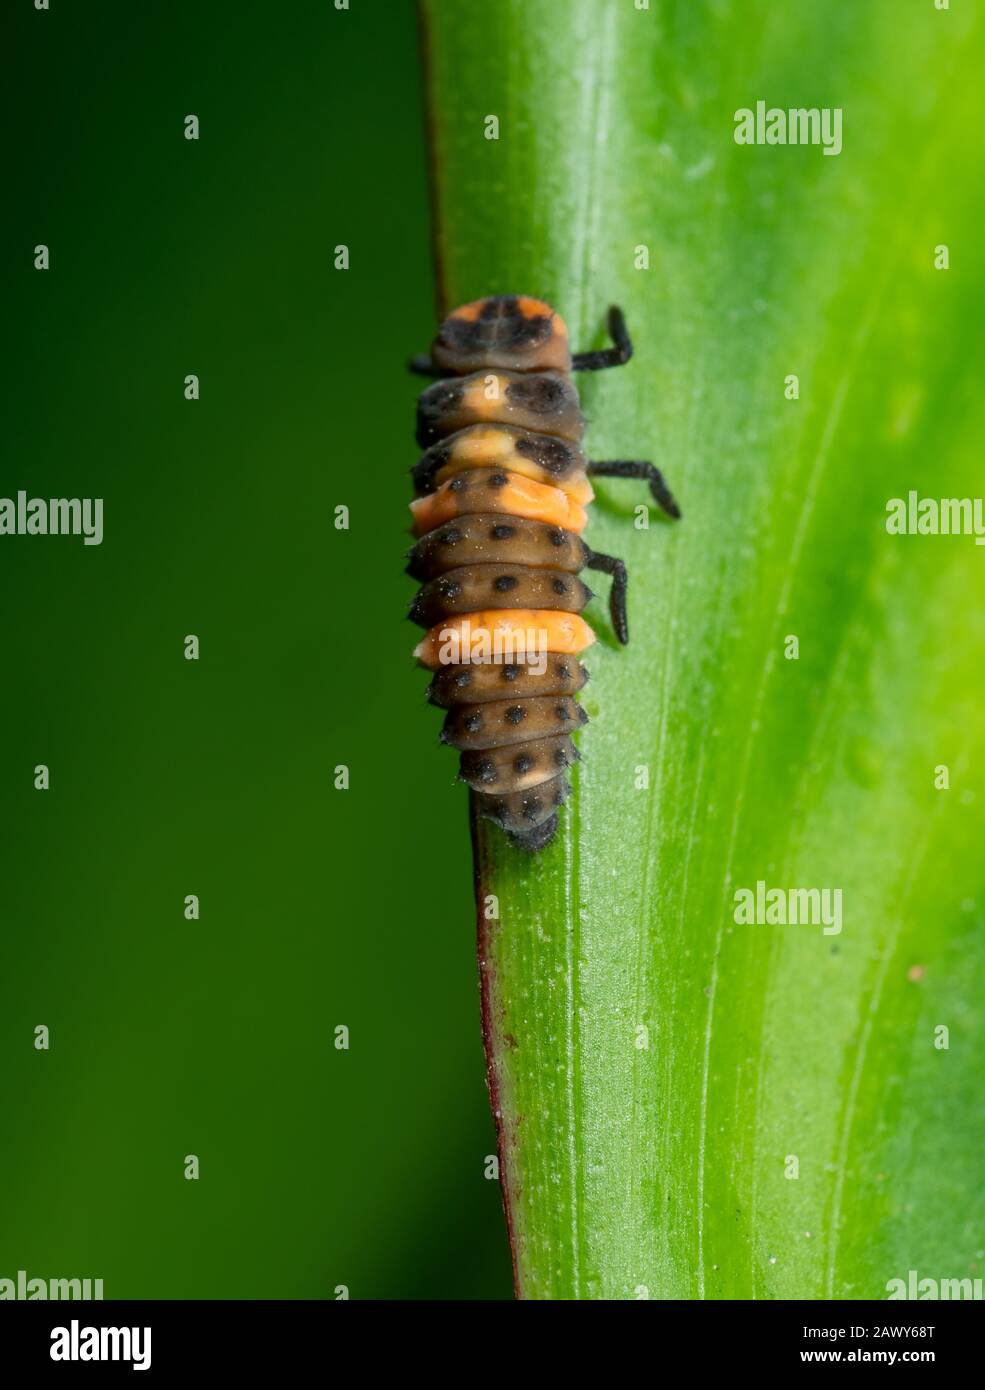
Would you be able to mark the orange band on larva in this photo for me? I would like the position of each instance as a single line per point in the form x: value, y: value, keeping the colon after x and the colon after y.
x: 517, y: 496
x: 516, y: 634
x: 577, y: 487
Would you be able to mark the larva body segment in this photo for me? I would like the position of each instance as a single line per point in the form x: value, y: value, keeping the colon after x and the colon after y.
x: 502, y: 723
x: 529, y: 816
x: 484, y: 539
x: 504, y: 769
x: 544, y: 402
x: 496, y: 490
x: 473, y: 587
x: 501, y: 492
x: 529, y: 633
x: 542, y: 457
x: 474, y: 684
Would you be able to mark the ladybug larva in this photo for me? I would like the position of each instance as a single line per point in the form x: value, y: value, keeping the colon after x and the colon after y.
x: 501, y: 495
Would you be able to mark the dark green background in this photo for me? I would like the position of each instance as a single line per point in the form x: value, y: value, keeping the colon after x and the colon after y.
x: 169, y: 777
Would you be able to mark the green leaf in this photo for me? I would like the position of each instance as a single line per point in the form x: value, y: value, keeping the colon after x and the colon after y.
x: 661, y: 1070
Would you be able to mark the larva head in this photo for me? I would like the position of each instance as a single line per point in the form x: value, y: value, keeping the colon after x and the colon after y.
x: 505, y: 330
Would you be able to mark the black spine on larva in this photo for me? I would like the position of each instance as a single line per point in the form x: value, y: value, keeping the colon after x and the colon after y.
x: 512, y: 720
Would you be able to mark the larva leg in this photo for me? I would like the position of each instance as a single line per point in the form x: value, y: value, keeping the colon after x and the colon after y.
x: 608, y: 564
x: 423, y: 366
x: 633, y: 468
x: 615, y: 356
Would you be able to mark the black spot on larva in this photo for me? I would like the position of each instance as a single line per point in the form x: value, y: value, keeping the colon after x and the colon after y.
x: 501, y: 533
x: 562, y: 711
x: 498, y: 480
x: 540, y: 394
x: 561, y: 757
x: 424, y: 470
x: 504, y: 583
x: 485, y: 770
x: 515, y: 714
x: 564, y: 670
x: 463, y: 679
x: 558, y: 537
x: 443, y: 395
x: 558, y: 797
x: 473, y: 723
x: 451, y: 588
x: 582, y: 714
x: 450, y: 537
x: 523, y: 763
x: 553, y: 455
x: 531, y: 805
x: 436, y: 409
x: 559, y: 586
x: 457, y: 485
x: 510, y: 673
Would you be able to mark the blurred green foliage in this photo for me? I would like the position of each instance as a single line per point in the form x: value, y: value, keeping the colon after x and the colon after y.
x: 318, y: 907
